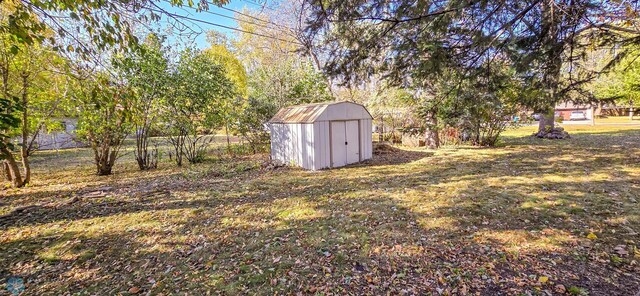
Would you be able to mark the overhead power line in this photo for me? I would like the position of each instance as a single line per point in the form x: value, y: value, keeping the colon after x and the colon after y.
x: 179, y: 16
x: 248, y: 15
x: 258, y: 4
x: 225, y: 16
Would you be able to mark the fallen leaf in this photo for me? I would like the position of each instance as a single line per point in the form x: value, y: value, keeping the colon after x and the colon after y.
x: 134, y: 290
x: 591, y: 236
x: 621, y: 250
x: 543, y: 279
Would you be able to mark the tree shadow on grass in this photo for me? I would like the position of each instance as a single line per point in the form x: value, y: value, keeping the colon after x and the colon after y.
x: 391, y: 155
x: 492, y: 223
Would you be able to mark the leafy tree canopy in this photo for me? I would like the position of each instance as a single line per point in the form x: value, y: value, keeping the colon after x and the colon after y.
x: 220, y: 53
x: 622, y: 83
x: 83, y: 27
x: 414, y: 43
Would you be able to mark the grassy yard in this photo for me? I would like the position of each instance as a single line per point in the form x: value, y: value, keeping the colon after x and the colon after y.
x: 618, y: 119
x: 529, y: 217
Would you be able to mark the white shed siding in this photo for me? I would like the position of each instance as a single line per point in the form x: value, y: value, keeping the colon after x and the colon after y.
x: 305, y: 145
x: 308, y: 144
x: 366, y: 140
x: 343, y: 111
x: 293, y: 143
x: 321, y: 145
x: 296, y: 157
x: 280, y: 141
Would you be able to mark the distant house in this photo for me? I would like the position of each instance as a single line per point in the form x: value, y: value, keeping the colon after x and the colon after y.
x: 62, y: 137
x: 564, y: 110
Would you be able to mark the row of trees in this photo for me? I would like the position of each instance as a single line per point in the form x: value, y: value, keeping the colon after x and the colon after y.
x: 451, y: 63
x: 119, y: 89
x: 621, y: 85
x: 185, y: 101
x: 141, y: 92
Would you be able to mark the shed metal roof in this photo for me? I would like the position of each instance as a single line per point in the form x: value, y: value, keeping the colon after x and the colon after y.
x: 307, y: 113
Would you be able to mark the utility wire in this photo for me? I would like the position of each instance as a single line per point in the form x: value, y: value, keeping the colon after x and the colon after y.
x: 258, y: 4
x: 239, y: 20
x: 240, y: 13
x: 247, y: 15
x: 226, y: 16
x: 178, y: 16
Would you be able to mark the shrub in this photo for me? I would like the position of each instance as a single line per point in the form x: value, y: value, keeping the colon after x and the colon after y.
x: 252, y: 124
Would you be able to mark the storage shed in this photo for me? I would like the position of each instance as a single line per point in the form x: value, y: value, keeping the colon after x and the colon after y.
x: 323, y: 135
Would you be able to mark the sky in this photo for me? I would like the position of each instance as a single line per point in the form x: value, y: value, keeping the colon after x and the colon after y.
x: 210, y: 16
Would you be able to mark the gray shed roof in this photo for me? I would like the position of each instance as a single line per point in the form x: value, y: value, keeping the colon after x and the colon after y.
x: 307, y: 113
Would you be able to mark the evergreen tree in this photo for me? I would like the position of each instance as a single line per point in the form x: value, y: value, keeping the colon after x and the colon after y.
x: 415, y: 43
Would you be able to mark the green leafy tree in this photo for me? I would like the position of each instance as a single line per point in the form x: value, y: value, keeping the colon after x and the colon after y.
x: 146, y: 72
x: 193, y: 110
x: 104, y: 111
x: 280, y: 70
x: 622, y: 84
x: 84, y: 28
x: 9, y: 121
x: 251, y: 123
x: 289, y: 82
x: 219, y: 52
x: 32, y: 82
x: 481, y: 107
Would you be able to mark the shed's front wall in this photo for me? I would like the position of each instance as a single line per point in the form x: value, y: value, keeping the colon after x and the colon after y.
x: 322, y: 143
x: 293, y: 144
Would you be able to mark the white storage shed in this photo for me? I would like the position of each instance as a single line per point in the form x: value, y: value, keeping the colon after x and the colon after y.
x: 323, y: 135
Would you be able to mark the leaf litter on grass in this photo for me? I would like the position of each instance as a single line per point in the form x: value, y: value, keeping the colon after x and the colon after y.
x: 531, y: 217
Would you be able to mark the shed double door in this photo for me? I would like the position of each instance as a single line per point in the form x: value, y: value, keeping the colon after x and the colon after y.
x: 345, y: 143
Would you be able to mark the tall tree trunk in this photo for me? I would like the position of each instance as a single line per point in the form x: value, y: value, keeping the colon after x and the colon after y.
x: 552, y: 49
x: 142, y: 146
x: 178, y: 146
x: 11, y: 169
x: 104, y: 165
x: 5, y: 171
x: 24, y: 149
x: 432, y: 139
x: 14, y: 170
x: 547, y: 122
